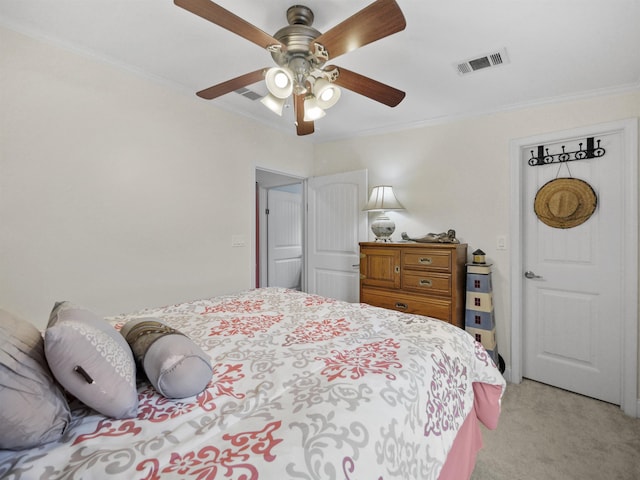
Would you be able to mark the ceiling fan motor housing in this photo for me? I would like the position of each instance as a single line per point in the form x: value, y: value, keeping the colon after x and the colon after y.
x: 298, y: 36
x: 300, y: 15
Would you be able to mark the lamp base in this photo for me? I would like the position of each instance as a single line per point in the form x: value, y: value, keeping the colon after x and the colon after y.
x: 383, y: 227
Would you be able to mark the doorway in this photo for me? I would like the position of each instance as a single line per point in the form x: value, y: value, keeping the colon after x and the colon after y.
x: 333, y: 224
x: 574, y: 315
x: 279, y: 230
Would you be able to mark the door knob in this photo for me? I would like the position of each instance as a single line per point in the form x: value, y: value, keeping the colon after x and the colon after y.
x: 530, y: 274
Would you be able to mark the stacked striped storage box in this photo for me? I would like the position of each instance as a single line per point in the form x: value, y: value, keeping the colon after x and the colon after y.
x: 479, y: 317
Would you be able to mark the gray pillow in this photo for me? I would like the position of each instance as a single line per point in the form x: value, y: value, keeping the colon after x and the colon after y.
x: 91, y: 360
x: 33, y: 409
x: 173, y: 363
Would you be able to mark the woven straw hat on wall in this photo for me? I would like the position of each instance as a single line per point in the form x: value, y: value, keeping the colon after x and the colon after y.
x: 565, y: 202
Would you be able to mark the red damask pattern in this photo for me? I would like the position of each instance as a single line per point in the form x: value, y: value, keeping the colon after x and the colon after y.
x: 235, y: 306
x: 445, y: 398
x: 155, y: 408
x: 238, y: 461
x: 318, y: 331
x: 313, y: 300
x: 246, y: 326
x: 482, y: 355
x: 222, y: 382
x: 110, y: 428
x: 377, y: 358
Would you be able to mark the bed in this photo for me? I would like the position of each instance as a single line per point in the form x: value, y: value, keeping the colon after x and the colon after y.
x: 303, y: 387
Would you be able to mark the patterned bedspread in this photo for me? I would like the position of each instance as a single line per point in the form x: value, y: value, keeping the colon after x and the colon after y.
x: 303, y: 387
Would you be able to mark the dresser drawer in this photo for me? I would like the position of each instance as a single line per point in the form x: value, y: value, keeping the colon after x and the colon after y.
x: 430, y: 283
x: 427, y: 259
x: 439, y: 308
x: 380, y: 267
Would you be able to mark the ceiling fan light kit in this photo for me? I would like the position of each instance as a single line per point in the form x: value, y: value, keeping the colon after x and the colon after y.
x: 312, y: 110
x: 327, y: 94
x: 301, y: 52
x: 279, y: 82
x: 273, y: 103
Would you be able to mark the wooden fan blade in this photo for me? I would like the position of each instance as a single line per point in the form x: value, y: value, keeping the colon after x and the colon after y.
x: 380, y: 19
x: 368, y: 87
x: 232, y: 85
x: 302, y: 127
x: 224, y: 18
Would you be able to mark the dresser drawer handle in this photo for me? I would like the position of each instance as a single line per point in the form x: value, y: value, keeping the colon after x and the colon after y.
x: 402, y: 306
x: 425, y: 260
x: 425, y: 282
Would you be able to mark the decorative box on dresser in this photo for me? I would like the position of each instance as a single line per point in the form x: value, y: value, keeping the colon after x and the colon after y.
x: 422, y: 278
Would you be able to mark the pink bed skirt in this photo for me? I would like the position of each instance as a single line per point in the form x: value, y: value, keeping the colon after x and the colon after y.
x: 486, y: 409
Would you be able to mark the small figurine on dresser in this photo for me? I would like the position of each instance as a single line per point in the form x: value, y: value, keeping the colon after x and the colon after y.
x: 445, y: 237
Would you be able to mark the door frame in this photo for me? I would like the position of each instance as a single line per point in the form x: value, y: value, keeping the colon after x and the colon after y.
x: 259, y: 250
x: 630, y: 403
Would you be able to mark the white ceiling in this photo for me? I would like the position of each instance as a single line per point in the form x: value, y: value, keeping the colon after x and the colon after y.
x: 558, y: 49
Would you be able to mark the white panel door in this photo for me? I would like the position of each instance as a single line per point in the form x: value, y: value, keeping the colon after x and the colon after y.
x: 573, y: 316
x: 284, y: 238
x: 336, y: 224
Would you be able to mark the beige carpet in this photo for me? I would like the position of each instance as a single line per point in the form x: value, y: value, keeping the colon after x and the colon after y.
x: 547, y: 433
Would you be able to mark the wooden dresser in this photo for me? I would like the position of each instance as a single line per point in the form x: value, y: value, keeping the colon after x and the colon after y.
x: 422, y: 278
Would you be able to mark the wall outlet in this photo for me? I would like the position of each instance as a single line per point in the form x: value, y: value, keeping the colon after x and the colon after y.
x: 501, y: 242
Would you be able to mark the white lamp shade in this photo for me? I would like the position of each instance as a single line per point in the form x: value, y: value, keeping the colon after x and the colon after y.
x: 311, y: 110
x: 273, y: 103
x: 382, y: 198
x: 279, y: 82
x: 326, y: 93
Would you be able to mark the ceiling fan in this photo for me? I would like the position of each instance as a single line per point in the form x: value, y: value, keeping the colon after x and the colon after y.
x: 301, y: 53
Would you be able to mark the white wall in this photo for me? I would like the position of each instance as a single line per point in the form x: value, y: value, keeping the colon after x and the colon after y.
x: 457, y: 175
x: 118, y: 193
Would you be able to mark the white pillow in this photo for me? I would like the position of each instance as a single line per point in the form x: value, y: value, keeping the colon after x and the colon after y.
x: 33, y: 408
x: 89, y: 357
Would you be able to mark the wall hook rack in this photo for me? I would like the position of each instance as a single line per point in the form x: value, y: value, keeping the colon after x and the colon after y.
x: 546, y: 158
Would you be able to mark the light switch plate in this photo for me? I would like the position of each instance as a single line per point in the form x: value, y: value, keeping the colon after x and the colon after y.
x: 238, y: 241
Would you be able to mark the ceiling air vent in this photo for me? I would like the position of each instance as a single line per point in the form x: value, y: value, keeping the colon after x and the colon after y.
x: 485, y: 61
x: 250, y: 94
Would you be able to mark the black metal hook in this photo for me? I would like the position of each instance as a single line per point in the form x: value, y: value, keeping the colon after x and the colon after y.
x: 545, y: 158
